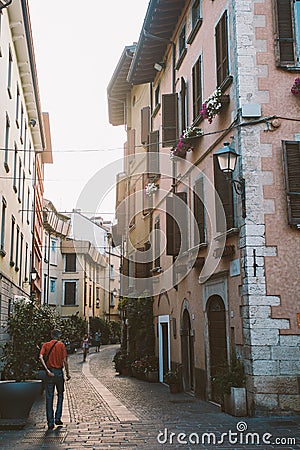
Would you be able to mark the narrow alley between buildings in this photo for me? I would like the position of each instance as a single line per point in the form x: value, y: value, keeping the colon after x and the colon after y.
x: 104, y: 410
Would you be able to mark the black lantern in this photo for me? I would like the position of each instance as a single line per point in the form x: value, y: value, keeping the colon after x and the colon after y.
x: 227, y: 158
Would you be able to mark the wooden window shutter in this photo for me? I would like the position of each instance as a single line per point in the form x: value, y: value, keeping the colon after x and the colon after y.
x: 157, y: 244
x: 145, y: 124
x: 169, y: 119
x: 183, y: 98
x: 285, y: 34
x: 224, y: 189
x: 153, y: 154
x: 222, y: 49
x: 131, y: 143
x: 176, y: 221
x: 197, y: 88
x: 291, y: 154
x: 146, y: 198
x: 199, y: 214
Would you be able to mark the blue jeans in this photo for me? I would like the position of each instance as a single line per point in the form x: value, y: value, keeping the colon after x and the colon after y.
x: 52, y: 382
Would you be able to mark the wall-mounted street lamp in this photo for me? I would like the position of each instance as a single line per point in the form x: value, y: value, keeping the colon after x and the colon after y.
x: 114, y: 292
x: 227, y: 158
x: 33, y: 275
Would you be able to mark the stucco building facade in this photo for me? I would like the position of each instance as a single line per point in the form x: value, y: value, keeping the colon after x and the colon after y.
x: 24, y: 137
x: 224, y: 252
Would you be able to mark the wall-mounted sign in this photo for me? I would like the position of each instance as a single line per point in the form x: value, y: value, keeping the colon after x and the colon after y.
x: 298, y: 317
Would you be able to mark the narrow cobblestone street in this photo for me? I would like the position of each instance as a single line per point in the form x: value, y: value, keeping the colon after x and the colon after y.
x: 104, y: 410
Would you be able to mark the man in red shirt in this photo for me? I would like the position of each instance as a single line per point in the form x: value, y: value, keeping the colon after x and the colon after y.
x: 53, y: 356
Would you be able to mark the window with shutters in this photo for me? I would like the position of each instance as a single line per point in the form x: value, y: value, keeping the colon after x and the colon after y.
x: 70, y: 292
x: 70, y: 262
x: 224, y: 190
x: 196, y: 20
x: 169, y: 119
x: 3, y: 225
x: 181, y: 46
x: 183, y: 106
x: 291, y: 158
x: 197, y: 88
x: 199, y: 212
x: 156, y: 100
x: 153, y: 155
x: 287, y: 32
x: 157, y: 243
x: 145, y: 124
x: 177, y: 223
x: 222, y: 60
x: 131, y: 144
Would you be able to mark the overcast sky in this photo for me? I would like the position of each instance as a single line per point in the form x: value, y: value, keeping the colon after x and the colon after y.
x: 77, y: 46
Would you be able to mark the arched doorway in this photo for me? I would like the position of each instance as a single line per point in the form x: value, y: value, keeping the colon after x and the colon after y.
x: 217, y: 340
x: 187, y: 349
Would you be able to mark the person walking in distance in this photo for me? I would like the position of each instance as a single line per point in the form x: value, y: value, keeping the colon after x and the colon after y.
x: 53, y: 356
x: 97, y: 340
x: 85, y: 346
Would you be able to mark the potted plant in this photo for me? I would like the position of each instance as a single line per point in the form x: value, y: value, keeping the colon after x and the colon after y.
x: 28, y: 326
x: 121, y: 361
x: 173, y: 378
x: 151, y: 368
x: 230, y: 385
x: 213, y: 104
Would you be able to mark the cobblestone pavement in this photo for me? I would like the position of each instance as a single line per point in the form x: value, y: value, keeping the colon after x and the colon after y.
x: 103, y: 410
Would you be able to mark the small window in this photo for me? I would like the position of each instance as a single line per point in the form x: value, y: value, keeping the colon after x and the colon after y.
x: 7, y: 136
x: 17, y: 106
x: 157, y: 96
x: 12, y: 241
x: 17, y: 248
x: 3, y: 221
x: 222, y: 60
x: 52, y: 285
x: 15, y: 168
x: 157, y: 243
x: 199, y: 212
x: 288, y: 32
x: 70, y: 293
x: 182, y: 41
x: 9, y: 72
x: 53, y: 251
x: 195, y: 13
x: 197, y: 88
x: 291, y: 154
x: 169, y: 119
x: 70, y: 262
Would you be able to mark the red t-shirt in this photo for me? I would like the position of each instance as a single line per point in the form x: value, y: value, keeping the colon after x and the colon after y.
x: 57, y: 355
